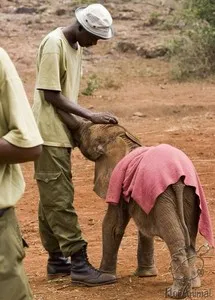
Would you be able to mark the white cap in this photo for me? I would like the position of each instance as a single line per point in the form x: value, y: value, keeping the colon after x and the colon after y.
x: 96, y: 19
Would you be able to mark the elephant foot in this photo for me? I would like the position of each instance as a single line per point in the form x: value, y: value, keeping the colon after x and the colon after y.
x: 195, y: 278
x: 196, y: 282
x: 104, y: 270
x: 179, y: 291
x: 146, y: 271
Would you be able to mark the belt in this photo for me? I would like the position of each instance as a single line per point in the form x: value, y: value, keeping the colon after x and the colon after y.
x: 3, y: 210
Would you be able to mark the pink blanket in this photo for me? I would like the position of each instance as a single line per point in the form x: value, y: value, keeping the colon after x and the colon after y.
x: 146, y: 172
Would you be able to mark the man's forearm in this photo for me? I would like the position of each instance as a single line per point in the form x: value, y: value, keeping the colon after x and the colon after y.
x: 69, y: 120
x: 10, y: 154
x: 61, y: 102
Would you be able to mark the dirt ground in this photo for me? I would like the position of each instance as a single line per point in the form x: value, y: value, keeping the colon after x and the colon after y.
x: 148, y: 103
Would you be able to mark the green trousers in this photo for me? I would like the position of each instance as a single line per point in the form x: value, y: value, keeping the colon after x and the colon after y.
x: 58, y: 221
x: 13, y: 281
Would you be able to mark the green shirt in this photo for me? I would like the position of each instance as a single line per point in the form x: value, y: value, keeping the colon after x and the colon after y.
x: 17, y: 126
x: 58, y: 69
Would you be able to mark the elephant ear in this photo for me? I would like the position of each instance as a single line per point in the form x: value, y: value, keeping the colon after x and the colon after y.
x: 133, y: 138
x: 105, y: 164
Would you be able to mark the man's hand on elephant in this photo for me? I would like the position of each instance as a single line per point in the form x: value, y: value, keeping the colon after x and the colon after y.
x: 103, y: 118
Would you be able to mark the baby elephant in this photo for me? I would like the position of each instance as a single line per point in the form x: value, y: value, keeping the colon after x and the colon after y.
x: 156, y: 186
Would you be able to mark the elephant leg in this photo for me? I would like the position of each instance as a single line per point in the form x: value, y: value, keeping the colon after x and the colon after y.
x: 113, y: 228
x: 192, y: 214
x: 180, y: 268
x: 145, y: 257
x: 195, y: 278
x: 170, y: 230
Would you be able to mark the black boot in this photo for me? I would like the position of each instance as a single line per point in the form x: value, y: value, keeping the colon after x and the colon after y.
x: 83, y: 273
x: 58, y: 265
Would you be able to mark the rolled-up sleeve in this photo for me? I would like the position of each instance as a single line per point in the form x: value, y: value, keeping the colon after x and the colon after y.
x: 18, y: 124
x: 49, y: 72
x: 48, y: 68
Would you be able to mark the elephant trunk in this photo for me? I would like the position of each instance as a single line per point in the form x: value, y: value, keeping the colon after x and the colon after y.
x: 81, y: 131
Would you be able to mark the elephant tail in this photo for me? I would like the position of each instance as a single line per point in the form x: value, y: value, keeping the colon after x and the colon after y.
x: 179, y: 191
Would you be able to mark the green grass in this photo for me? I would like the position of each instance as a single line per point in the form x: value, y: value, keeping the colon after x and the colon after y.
x: 92, y: 85
x: 192, y: 54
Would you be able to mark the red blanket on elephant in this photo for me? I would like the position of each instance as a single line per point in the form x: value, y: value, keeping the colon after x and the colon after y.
x: 146, y: 172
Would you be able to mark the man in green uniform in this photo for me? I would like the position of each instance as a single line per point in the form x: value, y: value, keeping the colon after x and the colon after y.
x: 20, y: 141
x: 57, y: 87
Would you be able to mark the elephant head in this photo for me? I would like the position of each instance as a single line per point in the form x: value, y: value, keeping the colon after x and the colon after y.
x: 106, y: 145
